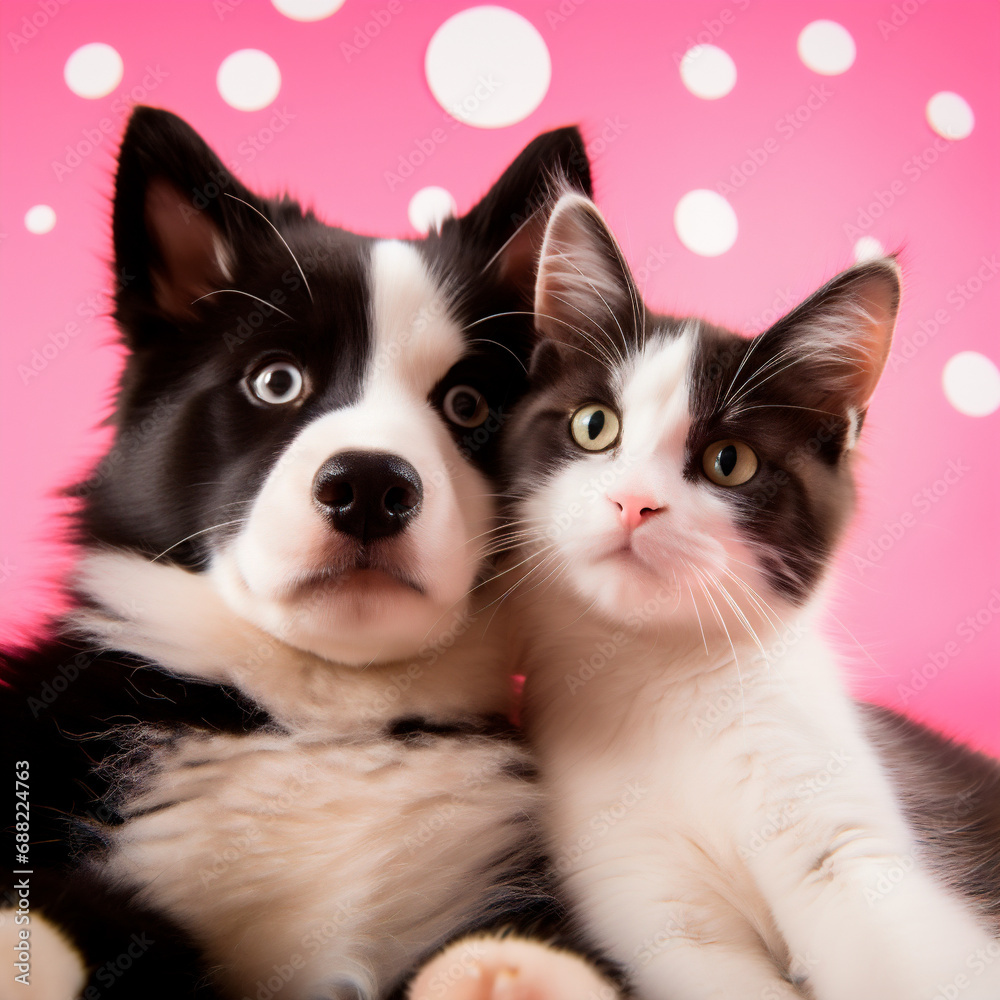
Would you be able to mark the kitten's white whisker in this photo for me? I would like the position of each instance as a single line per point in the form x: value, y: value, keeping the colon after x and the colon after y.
x: 762, y: 607
x: 496, y: 343
x: 732, y: 645
x: 731, y: 601
x: 882, y: 670
x: 497, y: 315
x: 620, y: 359
x: 521, y: 579
x: 697, y: 612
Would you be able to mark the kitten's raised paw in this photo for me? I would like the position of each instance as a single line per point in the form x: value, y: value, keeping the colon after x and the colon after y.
x: 509, y: 968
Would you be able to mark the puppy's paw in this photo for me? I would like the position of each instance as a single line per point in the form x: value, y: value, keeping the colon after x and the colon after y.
x: 509, y: 968
x: 45, y: 965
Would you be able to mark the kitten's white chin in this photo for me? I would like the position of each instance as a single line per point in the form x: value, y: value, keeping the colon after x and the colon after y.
x: 623, y: 587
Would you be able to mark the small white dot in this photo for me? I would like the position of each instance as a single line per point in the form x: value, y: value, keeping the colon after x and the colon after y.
x: 93, y: 70
x: 429, y: 207
x: 708, y: 72
x: 868, y: 248
x: 40, y: 219
x: 705, y: 222
x: 248, y: 80
x: 950, y: 116
x: 307, y: 10
x: 972, y: 384
x: 827, y: 47
x: 488, y: 67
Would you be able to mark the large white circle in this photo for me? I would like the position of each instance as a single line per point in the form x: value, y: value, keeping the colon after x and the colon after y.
x: 868, y: 248
x: 429, y: 207
x: 950, y: 116
x: 708, y: 72
x: 93, y: 70
x: 307, y: 10
x: 248, y: 80
x: 972, y: 384
x: 40, y: 219
x: 488, y: 67
x: 705, y: 222
x: 827, y: 47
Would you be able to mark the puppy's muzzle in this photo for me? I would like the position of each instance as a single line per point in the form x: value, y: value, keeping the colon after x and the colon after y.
x: 368, y: 494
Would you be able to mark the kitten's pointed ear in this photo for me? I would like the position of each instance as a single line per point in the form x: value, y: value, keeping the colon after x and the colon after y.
x: 508, y: 224
x: 835, y: 345
x: 174, y: 227
x: 584, y: 284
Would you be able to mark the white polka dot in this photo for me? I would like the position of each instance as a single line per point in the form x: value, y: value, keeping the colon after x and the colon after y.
x: 40, y: 219
x: 488, y: 67
x: 248, y: 80
x: 93, y: 70
x: 705, y: 222
x: 429, y: 207
x: 708, y: 72
x: 868, y: 248
x: 827, y: 47
x: 972, y: 384
x: 307, y: 10
x: 950, y: 115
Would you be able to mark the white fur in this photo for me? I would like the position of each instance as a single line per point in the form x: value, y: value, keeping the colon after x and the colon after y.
x: 722, y: 824
x: 280, y: 571
x: 321, y: 852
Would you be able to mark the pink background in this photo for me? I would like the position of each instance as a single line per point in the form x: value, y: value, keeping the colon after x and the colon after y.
x: 901, y: 608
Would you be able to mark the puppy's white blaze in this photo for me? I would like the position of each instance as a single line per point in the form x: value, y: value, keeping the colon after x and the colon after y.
x: 287, y: 542
x: 416, y: 340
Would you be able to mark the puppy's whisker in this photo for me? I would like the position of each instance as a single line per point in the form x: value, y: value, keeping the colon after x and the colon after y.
x: 295, y: 259
x: 236, y: 291
x: 195, y: 534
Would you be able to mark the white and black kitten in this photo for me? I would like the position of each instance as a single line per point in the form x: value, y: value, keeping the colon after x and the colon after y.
x: 716, y: 803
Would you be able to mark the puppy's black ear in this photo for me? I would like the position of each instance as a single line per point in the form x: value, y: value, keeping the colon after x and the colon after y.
x: 508, y: 225
x: 176, y: 223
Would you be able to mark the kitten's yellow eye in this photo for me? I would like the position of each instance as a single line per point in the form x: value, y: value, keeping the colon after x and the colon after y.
x: 729, y: 463
x: 594, y: 427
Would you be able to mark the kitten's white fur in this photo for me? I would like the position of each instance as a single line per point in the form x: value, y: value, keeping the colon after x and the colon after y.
x: 721, y: 821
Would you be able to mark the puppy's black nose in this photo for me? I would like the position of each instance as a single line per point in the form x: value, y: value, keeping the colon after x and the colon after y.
x: 368, y: 494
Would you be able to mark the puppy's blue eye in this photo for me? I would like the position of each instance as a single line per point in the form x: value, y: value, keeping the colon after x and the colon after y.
x: 277, y: 383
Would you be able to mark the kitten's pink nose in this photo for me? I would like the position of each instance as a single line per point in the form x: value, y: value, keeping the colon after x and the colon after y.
x: 633, y: 509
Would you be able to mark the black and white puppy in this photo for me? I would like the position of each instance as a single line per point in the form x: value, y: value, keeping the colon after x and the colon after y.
x: 273, y: 729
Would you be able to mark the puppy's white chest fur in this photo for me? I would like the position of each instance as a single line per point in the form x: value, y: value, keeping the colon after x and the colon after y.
x: 328, y: 864
x: 321, y: 854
